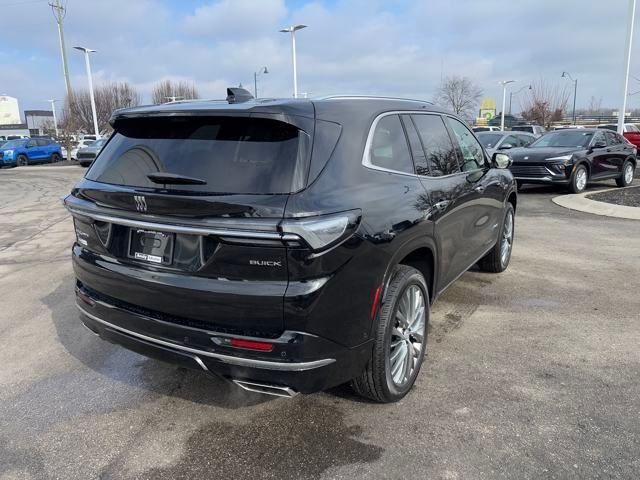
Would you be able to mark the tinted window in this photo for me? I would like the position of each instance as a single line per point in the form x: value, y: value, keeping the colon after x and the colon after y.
x: 608, y: 127
x: 612, y: 138
x: 389, y: 147
x: 43, y: 142
x: 472, y: 153
x: 232, y: 154
x: 489, y: 139
x: 32, y: 143
x: 599, y: 138
x: 439, y: 151
x: 419, y: 157
x: 521, y: 128
x: 564, y: 138
x: 511, y: 140
x: 525, y: 139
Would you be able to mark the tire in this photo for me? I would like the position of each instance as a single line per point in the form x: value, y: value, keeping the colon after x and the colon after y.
x: 627, y: 175
x: 377, y: 381
x: 22, y: 161
x: 579, y: 183
x: 497, y: 260
x: 55, y: 158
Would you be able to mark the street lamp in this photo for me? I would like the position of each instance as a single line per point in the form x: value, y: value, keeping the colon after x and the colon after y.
x: 631, y: 17
x: 55, y: 120
x: 87, y: 51
x: 504, y: 84
x: 292, y: 30
x: 255, y: 80
x: 511, y: 94
x: 575, y: 92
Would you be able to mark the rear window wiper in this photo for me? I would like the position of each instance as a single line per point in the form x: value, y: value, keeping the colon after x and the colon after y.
x: 174, y: 179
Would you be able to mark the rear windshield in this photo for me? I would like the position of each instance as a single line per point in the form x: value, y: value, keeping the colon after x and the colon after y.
x: 244, y: 155
x: 522, y: 128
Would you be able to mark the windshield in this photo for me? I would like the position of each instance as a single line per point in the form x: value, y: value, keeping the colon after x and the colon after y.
x: 15, y: 143
x: 245, y: 155
x: 563, y: 138
x: 98, y: 143
x: 489, y: 140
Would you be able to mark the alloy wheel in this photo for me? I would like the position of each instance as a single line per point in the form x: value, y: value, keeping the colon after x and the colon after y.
x: 628, y: 174
x: 507, y: 238
x: 407, y: 335
x: 581, y: 179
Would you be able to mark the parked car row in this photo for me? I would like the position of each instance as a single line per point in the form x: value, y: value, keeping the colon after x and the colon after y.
x: 535, y: 130
x: 26, y: 151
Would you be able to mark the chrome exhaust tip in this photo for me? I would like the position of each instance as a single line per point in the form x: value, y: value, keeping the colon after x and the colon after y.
x: 266, y: 388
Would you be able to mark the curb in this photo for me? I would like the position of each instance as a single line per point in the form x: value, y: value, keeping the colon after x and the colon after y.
x: 580, y: 202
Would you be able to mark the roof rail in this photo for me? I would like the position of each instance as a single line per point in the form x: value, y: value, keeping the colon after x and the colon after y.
x: 372, y: 97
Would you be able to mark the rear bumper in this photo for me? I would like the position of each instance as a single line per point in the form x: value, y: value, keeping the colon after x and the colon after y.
x: 302, y: 362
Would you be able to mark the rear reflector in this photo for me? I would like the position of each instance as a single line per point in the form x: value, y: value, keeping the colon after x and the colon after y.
x: 251, y: 345
x: 374, y: 305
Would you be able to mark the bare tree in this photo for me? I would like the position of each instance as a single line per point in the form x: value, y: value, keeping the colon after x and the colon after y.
x: 595, y: 105
x: 168, y: 90
x: 109, y: 97
x: 460, y: 95
x: 544, y: 103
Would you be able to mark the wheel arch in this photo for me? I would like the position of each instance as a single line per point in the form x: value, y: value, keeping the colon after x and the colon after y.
x: 420, y: 255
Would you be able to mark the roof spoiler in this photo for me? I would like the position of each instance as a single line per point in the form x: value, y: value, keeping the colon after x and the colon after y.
x: 238, y: 95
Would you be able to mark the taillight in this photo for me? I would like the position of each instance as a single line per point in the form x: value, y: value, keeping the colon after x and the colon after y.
x: 251, y: 345
x: 323, y: 231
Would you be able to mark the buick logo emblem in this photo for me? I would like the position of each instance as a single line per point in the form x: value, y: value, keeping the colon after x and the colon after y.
x: 141, y: 203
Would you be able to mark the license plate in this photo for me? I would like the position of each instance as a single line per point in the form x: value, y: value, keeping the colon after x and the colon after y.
x: 150, y: 246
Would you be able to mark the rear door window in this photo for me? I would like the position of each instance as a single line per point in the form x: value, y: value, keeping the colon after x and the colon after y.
x: 243, y: 155
x: 389, y: 149
x: 441, y: 158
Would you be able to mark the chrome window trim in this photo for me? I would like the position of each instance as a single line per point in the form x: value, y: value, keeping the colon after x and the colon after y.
x: 367, y: 147
x: 240, y: 361
x: 179, y: 228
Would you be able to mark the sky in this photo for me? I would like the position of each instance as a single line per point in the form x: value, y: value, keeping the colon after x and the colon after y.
x: 393, y: 47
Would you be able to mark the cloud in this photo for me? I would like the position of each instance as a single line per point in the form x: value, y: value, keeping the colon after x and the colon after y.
x: 390, y: 47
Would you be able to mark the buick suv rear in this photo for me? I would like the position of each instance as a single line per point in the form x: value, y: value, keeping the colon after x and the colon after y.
x: 286, y: 245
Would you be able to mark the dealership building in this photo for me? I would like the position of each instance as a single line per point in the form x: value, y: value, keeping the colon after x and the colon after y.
x: 36, y: 122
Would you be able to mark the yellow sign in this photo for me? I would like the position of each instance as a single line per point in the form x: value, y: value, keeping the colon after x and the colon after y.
x: 488, y: 109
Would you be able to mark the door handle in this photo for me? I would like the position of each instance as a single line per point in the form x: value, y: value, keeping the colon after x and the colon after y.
x: 479, y: 188
x: 442, y: 205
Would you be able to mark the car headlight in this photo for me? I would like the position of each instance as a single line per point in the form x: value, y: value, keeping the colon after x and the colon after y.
x: 564, y: 159
x: 8, y: 153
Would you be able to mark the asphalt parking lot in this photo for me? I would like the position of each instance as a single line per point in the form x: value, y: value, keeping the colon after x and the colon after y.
x: 532, y: 373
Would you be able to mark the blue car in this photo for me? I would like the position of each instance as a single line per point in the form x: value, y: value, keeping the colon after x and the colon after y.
x: 24, y: 151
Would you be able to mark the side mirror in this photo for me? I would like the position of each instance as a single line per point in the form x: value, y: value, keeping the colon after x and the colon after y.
x: 500, y: 160
x: 505, y: 146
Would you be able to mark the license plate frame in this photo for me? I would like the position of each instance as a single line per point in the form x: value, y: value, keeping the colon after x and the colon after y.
x: 151, y: 246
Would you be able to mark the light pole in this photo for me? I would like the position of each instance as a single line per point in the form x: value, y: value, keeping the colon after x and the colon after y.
x: 87, y: 51
x: 504, y: 84
x: 511, y: 94
x: 55, y: 120
x: 292, y: 30
x: 575, y: 92
x: 255, y: 80
x: 631, y: 17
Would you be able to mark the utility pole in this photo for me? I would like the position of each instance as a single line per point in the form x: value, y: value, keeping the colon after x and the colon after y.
x: 59, y: 12
x: 625, y: 81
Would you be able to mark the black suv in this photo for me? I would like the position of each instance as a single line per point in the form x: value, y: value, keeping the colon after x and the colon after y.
x: 286, y: 245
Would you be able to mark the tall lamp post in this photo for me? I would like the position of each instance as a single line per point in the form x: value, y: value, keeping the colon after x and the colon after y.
x: 255, y: 80
x: 631, y: 17
x: 512, y: 94
x: 55, y: 120
x: 87, y: 51
x: 504, y: 84
x: 292, y: 30
x: 575, y: 92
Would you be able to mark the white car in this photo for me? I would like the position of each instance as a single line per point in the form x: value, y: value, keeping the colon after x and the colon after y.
x: 84, y: 143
